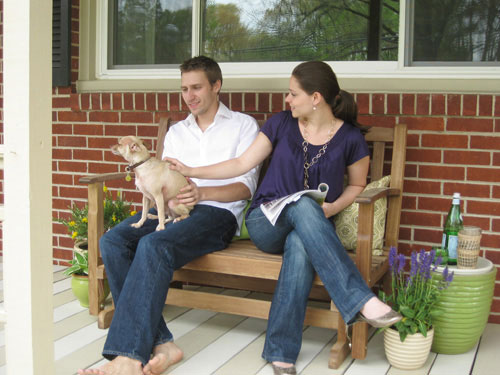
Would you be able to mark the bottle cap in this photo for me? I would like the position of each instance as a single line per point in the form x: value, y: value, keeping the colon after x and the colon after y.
x: 456, y: 195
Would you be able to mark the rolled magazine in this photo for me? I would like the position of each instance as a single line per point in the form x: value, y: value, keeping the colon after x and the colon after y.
x: 273, y: 209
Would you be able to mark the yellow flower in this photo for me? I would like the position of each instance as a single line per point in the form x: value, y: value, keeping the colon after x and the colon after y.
x: 72, y: 223
x: 113, y: 218
x: 133, y: 213
x: 84, y: 220
x: 74, y: 234
x: 104, y: 188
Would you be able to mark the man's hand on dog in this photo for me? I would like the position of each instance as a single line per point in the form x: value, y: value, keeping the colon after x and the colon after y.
x: 189, y: 194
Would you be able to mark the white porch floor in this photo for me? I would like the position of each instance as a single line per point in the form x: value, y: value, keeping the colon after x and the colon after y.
x: 223, y: 344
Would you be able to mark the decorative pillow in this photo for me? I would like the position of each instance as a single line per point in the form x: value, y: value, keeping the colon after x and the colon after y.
x: 244, y: 231
x: 346, y: 221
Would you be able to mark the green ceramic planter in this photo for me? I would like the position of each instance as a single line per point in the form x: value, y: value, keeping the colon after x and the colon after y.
x: 466, y: 305
x: 80, y: 288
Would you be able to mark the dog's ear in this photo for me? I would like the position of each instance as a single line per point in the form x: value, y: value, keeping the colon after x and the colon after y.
x: 146, y: 145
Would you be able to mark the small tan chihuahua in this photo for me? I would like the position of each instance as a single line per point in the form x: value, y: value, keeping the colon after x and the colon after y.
x: 157, y: 182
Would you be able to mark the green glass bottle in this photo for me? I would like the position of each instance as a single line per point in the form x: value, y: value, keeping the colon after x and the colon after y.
x: 451, y: 228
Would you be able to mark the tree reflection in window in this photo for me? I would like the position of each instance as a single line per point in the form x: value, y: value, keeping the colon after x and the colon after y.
x: 296, y: 30
x: 150, y: 32
x: 457, y: 30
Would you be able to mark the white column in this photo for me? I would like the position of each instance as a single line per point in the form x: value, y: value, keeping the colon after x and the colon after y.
x: 27, y: 227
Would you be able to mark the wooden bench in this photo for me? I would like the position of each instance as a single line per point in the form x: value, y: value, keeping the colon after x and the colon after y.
x: 243, y: 266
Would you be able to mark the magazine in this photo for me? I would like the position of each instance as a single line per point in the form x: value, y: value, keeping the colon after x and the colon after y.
x: 273, y: 209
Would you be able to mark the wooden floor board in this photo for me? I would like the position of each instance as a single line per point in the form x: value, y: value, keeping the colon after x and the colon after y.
x: 446, y: 364
x: 488, y: 356
x: 204, y: 335
x: 84, y: 357
x: 62, y: 298
x: 77, y: 340
x: 375, y: 362
x: 67, y: 310
x: 313, y: 341
x: 212, y: 357
x: 223, y: 344
x: 248, y: 361
x: 424, y: 370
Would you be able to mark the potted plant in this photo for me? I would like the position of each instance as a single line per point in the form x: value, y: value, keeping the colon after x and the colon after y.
x: 414, y: 295
x: 115, y: 210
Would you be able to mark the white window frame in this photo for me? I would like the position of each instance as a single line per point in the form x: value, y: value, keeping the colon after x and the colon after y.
x: 357, y: 76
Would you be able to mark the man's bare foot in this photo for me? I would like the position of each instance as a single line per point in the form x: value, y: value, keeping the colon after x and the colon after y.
x: 164, y: 356
x: 118, y: 366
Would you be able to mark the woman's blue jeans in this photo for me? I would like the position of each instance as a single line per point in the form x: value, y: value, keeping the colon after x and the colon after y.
x: 309, y: 244
x: 140, y: 264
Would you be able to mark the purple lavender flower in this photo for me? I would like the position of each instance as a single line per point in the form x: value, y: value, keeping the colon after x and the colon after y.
x: 445, y: 274
x: 401, y: 263
x: 437, y: 263
x: 414, y: 264
x: 426, y: 265
x: 392, y: 257
x: 433, y: 255
x: 449, y: 278
x: 421, y: 257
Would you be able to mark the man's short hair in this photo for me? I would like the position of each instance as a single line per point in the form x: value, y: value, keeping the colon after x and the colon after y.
x: 206, y: 64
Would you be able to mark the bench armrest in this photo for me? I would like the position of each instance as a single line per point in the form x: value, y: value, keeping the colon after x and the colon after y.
x: 371, y: 195
x: 91, y: 179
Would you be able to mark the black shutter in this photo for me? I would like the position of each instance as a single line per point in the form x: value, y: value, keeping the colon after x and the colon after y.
x: 61, y: 42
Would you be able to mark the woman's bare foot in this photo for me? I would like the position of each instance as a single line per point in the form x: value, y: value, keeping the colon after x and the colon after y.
x: 118, y: 366
x: 375, y: 308
x: 164, y: 356
x: 283, y: 364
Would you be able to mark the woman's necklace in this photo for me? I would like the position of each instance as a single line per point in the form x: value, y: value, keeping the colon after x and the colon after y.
x: 320, y: 153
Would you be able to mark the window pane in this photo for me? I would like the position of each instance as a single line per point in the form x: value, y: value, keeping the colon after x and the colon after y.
x: 295, y: 30
x: 456, y: 30
x: 150, y: 32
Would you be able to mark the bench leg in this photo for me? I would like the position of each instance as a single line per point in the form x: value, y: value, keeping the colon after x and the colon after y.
x: 340, y: 350
x: 359, y: 340
x: 105, y: 316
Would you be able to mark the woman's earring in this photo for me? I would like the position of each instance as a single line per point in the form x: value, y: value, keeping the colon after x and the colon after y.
x: 314, y: 108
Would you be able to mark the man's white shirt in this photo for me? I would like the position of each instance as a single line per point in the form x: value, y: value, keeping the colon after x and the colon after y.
x: 227, y: 137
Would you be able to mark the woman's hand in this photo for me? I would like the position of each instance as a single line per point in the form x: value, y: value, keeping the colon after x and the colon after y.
x: 189, y: 194
x: 176, y: 165
x: 329, y: 209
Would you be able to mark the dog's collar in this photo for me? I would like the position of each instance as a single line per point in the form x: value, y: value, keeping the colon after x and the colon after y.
x: 130, y: 168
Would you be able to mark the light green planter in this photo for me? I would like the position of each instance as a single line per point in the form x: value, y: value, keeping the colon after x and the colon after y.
x: 80, y: 288
x: 466, y: 304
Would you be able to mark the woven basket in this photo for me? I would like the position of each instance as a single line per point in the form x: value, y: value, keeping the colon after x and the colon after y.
x: 469, y: 239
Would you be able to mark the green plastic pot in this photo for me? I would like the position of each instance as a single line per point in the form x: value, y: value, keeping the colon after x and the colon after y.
x: 466, y: 306
x: 80, y: 288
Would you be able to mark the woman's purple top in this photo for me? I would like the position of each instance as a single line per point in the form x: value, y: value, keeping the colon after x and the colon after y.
x: 285, y: 174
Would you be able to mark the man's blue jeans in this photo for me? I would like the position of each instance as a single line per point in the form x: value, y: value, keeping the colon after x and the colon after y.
x: 309, y: 244
x: 140, y: 264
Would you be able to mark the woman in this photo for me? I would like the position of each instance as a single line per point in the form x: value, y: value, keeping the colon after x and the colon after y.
x: 314, y: 142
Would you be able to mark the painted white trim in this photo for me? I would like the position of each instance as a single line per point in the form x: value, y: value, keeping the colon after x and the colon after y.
x: 381, y: 76
x: 27, y: 230
x: 196, y: 30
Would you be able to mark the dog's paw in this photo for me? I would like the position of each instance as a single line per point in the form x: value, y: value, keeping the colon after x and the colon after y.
x: 180, y: 218
x: 152, y: 217
x: 160, y: 227
x: 136, y: 225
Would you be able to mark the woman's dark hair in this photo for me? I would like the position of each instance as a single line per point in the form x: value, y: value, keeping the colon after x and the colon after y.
x: 206, y: 64
x: 317, y: 76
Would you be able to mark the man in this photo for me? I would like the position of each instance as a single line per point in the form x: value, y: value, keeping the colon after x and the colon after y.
x: 140, y: 262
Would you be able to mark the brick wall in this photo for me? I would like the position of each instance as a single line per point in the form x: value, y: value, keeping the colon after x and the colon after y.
x: 453, y: 145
